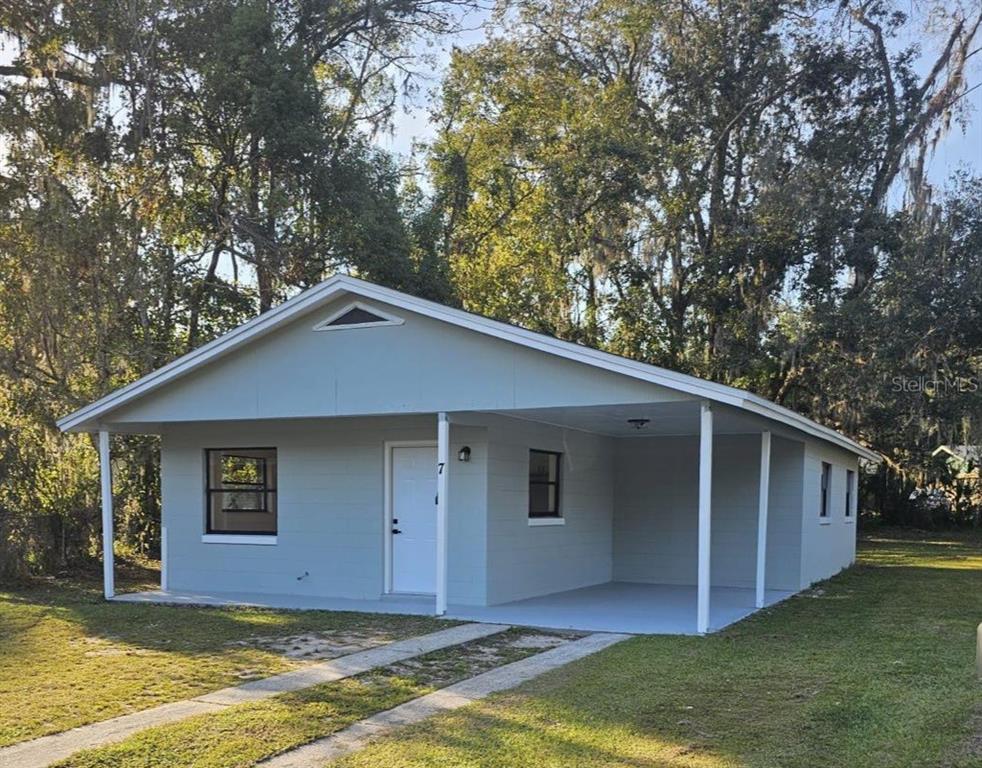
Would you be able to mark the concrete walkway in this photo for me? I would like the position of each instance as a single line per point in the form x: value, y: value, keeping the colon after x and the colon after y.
x: 47, y: 750
x: 356, y: 736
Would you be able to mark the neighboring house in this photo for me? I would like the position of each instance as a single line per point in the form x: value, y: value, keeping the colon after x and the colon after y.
x: 357, y: 447
x: 964, y: 460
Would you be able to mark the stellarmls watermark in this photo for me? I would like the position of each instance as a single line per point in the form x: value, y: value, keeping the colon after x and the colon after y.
x: 937, y: 385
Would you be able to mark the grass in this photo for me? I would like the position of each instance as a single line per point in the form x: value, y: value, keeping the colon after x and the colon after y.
x: 242, y: 735
x: 874, y: 668
x: 68, y: 658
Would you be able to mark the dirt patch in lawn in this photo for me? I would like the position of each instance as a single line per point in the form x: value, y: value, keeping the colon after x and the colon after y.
x: 108, y: 646
x: 969, y: 751
x: 322, y: 645
x: 442, y: 668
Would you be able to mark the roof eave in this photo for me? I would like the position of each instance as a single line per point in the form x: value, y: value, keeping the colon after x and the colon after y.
x: 83, y: 419
x: 78, y: 420
x: 774, y: 411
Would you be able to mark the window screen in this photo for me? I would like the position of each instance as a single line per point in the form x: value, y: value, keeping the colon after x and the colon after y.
x: 544, y: 483
x: 357, y: 316
x: 826, y: 478
x: 241, y: 490
x: 850, y: 491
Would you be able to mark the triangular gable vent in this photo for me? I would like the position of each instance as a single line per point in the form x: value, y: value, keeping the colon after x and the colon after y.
x: 357, y: 315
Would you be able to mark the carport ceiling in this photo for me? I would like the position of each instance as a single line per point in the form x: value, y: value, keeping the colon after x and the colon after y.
x: 665, y: 419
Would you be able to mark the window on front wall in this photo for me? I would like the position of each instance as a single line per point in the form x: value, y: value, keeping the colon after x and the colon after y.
x: 241, y: 492
x: 850, y: 491
x: 826, y: 482
x: 544, y: 483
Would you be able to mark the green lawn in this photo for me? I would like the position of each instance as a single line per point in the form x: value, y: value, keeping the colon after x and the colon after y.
x: 68, y: 658
x: 241, y: 736
x: 874, y: 668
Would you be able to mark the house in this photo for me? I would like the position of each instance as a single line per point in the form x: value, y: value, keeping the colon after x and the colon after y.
x: 963, y: 460
x: 357, y: 447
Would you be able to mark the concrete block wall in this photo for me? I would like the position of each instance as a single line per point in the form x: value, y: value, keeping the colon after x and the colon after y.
x: 330, y: 508
x: 656, y: 511
x: 827, y: 544
x: 526, y: 561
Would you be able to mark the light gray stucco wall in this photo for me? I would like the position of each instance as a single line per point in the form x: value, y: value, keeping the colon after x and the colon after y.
x: 421, y: 366
x: 523, y: 560
x: 827, y: 545
x: 330, y: 508
x: 629, y: 509
x: 467, y: 557
x: 656, y: 511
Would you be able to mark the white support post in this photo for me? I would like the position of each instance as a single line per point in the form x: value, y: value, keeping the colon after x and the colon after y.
x: 442, y: 500
x: 106, y: 476
x: 163, y: 558
x: 763, y: 501
x: 705, y: 516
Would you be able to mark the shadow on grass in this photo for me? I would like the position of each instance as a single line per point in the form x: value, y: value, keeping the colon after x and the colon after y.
x: 178, y: 628
x: 68, y: 657
x: 872, y: 668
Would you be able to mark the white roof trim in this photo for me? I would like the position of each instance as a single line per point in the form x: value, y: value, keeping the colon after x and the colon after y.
x: 321, y: 293
x: 386, y: 318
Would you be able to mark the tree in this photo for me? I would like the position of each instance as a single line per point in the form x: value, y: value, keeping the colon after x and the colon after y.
x: 711, y: 187
x: 904, y: 365
x: 168, y: 168
x: 658, y: 177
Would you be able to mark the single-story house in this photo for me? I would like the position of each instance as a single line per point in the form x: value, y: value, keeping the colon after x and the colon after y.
x: 361, y: 448
x: 964, y: 460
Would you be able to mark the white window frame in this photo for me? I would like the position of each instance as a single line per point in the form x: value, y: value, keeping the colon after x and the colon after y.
x: 209, y: 536
x: 248, y: 539
x: 545, y: 522
x: 852, y: 493
x: 825, y: 493
x: 559, y: 518
x: 388, y: 319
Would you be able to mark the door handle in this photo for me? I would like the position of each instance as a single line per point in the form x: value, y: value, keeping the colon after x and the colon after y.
x: 396, y: 530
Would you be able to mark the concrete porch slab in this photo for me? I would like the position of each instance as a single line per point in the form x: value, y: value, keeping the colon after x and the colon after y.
x: 640, y: 609
x: 643, y: 609
x: 413, y: 605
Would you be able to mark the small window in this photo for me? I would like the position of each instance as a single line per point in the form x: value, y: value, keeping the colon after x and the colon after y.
x: 241, y: 490
x: 357, y: 315
x: 850, y: 491
x: 544, y: 483
x: 826, y: 478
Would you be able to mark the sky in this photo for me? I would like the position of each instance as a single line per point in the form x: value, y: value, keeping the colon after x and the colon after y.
x: 960, y: 148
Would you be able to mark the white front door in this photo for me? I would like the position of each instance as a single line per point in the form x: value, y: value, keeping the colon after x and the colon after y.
x: 414, y: 519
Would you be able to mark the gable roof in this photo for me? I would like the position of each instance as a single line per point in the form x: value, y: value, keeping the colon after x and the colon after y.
x: 963, y: 452
x: 345, y: 284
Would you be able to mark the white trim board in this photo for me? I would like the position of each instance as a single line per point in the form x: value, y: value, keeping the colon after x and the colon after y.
x: 240, y: 539
x: 88, y: 417
x: 385, y: 318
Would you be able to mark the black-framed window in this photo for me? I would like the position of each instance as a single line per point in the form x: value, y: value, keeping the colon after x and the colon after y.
x: 826, y: 482
x: 241, y: 490
x: 850, y: 490
x: 544, y: 468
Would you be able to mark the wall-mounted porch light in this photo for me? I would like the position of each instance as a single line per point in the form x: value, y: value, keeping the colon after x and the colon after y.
x: 464, y: 454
